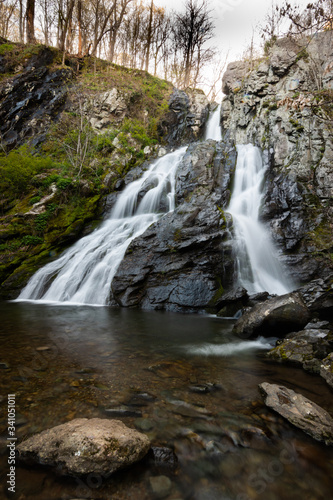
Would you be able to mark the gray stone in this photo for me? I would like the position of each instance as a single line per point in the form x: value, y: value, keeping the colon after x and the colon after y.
x: 299, y: 411
x: 274, y: 317
x: 305, y: 348
x: 271, y: 105
x: 84, y: 446
x: 326, y: 369
x: 177, y: 264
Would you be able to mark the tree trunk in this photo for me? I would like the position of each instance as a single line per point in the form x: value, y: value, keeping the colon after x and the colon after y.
x: 30, y: 16
x: 79, y: 21
x: 149, y: 34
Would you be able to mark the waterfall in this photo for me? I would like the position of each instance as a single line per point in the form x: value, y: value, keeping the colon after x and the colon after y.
x: 257, y: 267
x: 83, y: 274
x: 213, y: 128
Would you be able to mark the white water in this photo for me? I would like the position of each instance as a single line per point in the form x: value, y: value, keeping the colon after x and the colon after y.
x: 213, y: 130
x: 258, y: 268
x: 232, y: 348
x: 83, y: 274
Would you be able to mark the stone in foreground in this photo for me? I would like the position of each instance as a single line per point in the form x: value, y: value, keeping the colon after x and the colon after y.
x: 299, y: 411
x: 277, y: 316
x: 83, y: 446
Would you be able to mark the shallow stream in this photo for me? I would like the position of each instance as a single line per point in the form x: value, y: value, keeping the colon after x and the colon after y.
x: 184, y: 380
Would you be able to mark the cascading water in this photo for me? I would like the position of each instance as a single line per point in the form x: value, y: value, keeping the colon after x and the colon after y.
x: 258, y: 269
x: 83, y: 274
x: 213, y: 129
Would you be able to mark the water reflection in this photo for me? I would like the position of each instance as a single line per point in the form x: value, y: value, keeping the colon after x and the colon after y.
x: 182, y: 379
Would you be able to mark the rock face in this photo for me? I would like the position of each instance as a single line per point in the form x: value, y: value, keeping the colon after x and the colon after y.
x: 280, y: 104
x: 177, y: 263
x: 84, y: 446
x: 326, y: 369
x: 30, y: 102
x: 187, y: 116
x: 299, y: 411
x: 107, y: 108
x: 306, y: 348
x: 318, y: 296
x: 274, y: 317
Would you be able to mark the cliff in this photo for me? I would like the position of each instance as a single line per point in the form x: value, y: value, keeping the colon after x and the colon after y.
x: 284, y: 104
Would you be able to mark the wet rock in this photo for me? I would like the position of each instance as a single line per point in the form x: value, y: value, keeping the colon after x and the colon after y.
x: 160, y: 486
x: 275, y: 317
x: 270, y: 105
x: 178, y: 262
x: 85, y: 446
x: 4, y: 366
x: 299, y: 411
x: 326, y: 369
x: 318, y: 296
x: 32, y: 100
x: 187, y: 116
x: 305, y: 348
x: 164, y: 457
x: 232, y: 302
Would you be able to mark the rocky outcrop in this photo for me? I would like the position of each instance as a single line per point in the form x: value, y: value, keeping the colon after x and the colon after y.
x: 306, y: 348
x: 299, y: 411
x: 32, y: 100
x: 85, y: 446
x: 177, y: 263
x: 274, y: 317
x: 282, y: 104
x: 187, y: 117
x: 318, y: 296
x: 106, y: 109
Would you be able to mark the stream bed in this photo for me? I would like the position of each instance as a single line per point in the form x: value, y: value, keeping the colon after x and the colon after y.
x: 184, y: 380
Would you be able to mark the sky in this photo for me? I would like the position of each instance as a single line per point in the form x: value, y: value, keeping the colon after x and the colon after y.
x: 234, y: 21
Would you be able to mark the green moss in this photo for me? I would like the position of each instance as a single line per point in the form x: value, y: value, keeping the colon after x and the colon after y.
x: 5, y: 48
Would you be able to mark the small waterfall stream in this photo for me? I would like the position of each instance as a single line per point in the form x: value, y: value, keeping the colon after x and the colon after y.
x: 213, y: 128
x: 258, y: 269
x: 83, y: 274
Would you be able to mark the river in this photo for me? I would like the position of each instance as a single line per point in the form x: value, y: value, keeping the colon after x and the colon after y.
x: 184, y: 380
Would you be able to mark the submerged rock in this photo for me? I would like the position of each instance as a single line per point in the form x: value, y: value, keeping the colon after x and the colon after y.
x: 274, y: 317
x: 85, y: 446
x: 299, y: 411
x: 306, y: 348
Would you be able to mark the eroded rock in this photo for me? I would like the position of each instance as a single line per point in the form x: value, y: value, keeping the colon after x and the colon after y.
x: 84, y: 446
x: 274, y: 317
x: 299, y: 411
x: 306, y: 348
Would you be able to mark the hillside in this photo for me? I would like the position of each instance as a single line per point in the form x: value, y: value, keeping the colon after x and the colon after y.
x: 69, y: 135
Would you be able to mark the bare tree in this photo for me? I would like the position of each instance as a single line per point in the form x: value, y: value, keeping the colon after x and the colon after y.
x: 30, y: 18
x: 191, y: 31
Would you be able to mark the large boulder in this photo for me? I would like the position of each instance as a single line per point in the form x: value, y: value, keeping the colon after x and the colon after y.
x: 318, y: 296
x: 274, y: 317
x: 299, y: 411
x: 306, y: 348
x: 177, y: 264
x: 85, y: 446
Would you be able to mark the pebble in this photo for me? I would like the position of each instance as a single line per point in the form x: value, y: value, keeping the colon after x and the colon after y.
x: 4, y: 366
x: 43, y: 348
x: 160, y: 486
x: 144, y: 424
